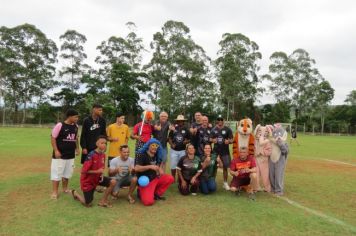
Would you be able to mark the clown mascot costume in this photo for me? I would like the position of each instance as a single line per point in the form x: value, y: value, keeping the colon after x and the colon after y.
x: 149, y: 165
x: 142, y: 131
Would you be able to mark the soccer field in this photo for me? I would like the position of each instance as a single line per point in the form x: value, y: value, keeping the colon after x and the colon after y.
x: 320, y: 197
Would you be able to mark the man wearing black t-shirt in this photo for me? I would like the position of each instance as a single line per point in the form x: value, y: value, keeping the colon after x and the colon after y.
x: 93, y: 127
x: 149, y: 165
x: 194, y: 128
x: 178, y: 138
x: 203, y: 135
x: 64, y: 141
x: 222, y: 136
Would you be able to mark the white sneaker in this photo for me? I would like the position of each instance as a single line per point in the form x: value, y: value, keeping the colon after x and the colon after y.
x: 194, y: 194
x: 226, y: 186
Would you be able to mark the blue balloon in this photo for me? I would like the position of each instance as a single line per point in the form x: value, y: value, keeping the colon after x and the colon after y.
x: 143, y: 181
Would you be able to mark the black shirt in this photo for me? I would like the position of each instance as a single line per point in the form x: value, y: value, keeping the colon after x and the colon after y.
x: 178, y: 136
x: 66, y: 141
x: 220, y: 148
x: 203, y: 135
x: 146, y: 160
x: 162, y: 135
x: 91, y: 130
x: 194, y: 138
x: 189, y: 167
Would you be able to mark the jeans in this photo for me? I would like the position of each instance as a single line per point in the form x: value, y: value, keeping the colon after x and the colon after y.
x: 208, y: 186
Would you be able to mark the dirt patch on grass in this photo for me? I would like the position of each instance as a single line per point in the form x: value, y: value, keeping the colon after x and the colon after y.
x: 18, y: 205
x: 25, y: 166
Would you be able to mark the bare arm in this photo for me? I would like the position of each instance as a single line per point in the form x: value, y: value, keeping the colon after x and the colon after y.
x: 57, y: 153
x: 139, y: 168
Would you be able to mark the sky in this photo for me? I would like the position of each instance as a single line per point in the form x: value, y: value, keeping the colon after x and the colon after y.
x: 324, y: 28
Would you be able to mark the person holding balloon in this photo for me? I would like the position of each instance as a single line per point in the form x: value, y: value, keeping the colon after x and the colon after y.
x: 152, y: 182
x: 142, y: 131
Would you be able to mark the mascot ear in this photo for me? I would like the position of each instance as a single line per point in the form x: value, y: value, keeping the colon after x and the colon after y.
x: 284, y: 137
x: 269, y: 128
x: 256, y: 130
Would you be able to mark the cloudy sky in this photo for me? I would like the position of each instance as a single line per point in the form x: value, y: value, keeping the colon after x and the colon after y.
x: 326, y: 29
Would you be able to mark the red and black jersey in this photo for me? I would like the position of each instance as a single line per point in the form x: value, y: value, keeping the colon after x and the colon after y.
x: 95, y: 161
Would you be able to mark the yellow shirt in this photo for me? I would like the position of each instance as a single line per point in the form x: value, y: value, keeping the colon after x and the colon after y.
x: 122, y: 133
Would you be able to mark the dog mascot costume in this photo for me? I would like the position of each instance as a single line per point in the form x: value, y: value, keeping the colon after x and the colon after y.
x: 278, y: 159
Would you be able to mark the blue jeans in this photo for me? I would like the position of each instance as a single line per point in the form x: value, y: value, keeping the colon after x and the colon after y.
x: 207, y: 186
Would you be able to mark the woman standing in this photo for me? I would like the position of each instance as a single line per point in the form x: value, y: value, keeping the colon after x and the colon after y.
x: 210, y: 164
x: 189, y: 169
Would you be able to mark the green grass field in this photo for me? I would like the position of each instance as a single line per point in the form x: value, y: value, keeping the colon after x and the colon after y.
x: 320, y: 191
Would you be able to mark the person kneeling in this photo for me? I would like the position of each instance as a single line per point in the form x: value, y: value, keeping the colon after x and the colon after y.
x: 209, y: 163
x: 92, y: 176
x: 243, y: 170
x: 189, y: 169
x: 121, y: 168
x: 148, y: 164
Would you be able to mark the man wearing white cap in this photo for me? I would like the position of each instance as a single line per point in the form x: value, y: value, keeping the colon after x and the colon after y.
x: 178, y: 138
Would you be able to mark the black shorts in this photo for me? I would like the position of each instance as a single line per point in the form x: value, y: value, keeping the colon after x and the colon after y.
x: 89, y: 195
x: 238, y: 182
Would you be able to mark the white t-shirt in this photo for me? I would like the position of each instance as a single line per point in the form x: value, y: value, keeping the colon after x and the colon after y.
x: 117, y: 162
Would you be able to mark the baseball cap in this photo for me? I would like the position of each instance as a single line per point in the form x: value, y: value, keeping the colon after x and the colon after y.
x: 219, y: 118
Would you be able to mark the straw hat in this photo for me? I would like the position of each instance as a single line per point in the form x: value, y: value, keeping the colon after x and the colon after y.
x: 180, y: 118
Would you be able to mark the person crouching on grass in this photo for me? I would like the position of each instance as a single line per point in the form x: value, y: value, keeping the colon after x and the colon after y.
x: 149, y: 164
x: 64, y: 141
x: 92, y: 176
x: 189, y: 169
x: 121, y: 168
x: 243, y: 169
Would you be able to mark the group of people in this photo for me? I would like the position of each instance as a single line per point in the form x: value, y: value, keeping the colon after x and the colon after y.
x: 195, y: 155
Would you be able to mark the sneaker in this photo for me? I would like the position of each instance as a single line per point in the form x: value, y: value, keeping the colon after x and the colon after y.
x: 252, y: 196
x: 226, y: 186
x: 194, y: 194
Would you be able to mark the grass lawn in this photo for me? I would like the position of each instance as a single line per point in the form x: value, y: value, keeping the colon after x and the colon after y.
x: 322, y: 191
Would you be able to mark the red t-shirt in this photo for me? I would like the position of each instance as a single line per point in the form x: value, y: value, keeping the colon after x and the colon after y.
x: 238, y: 164
x: 95, y: 161
x: 147, y: 130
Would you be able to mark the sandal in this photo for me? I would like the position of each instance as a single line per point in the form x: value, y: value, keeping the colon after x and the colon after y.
x: 54, y: 196
x: 131, y: 200
x: 106, y: 205
x: 73, y: 194
x: 67, y: 191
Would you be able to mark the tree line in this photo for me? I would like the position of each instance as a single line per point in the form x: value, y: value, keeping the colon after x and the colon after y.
x: 179, y: 78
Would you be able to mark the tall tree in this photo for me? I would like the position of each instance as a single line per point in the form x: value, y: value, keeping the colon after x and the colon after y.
x: 32, y: 68
x: 178, y: 70
x: 73, y: 69
x: 236, y: 68
x: 351, y: 98
x: 120, y: 71
x: 294, y: 79
x: 324, y: 93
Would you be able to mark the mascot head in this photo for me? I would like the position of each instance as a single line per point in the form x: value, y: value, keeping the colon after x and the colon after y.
x: 279, y: 132
x: 264, y: 131
x: 244, y: 126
